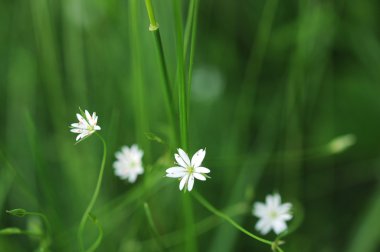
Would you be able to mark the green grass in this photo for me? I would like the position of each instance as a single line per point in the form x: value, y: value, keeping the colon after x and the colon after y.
x: 263, y: 86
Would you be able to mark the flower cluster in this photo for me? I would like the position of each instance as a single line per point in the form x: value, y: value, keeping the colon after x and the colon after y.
x: 272, y: 214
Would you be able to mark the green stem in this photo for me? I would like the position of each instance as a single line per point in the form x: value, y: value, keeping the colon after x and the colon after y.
x: 192, y: 45
x: 153, y: 226
x: 164, y: 71
x: 190, y: 243
x: 98, y: 240
x: 189, y: 22
x: 47, y: 223
x: 94, y: 196
x: 154, y: 27
x: 212, y: 209
x: 182, y: 91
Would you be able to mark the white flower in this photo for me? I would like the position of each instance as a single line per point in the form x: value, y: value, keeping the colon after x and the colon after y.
x: 86, y: 126
x: 272, y: 214
x: 128, y: 164
x: 187, y: 170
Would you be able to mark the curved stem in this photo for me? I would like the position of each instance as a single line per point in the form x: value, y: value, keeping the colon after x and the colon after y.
x: 47, y: 223
x: 94, y: 196
x: 212, y: 209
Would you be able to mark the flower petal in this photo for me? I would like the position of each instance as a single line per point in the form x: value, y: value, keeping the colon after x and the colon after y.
x: 180, y: 160
x: 199, y: 176
x: 279, y: 226
x: 284, y: 208
x: 184, y: 156
x: 175, y: 169
x: 183, y: 182
x: 198, y: 157
x: 202, y: 170
x: 259, y: 209
x: 263, y: 226
x: 190, y: 183
x: 176, y: 175
x: 273, y: 201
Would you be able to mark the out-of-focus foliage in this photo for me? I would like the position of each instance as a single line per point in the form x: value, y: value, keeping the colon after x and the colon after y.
x: 274, y: 83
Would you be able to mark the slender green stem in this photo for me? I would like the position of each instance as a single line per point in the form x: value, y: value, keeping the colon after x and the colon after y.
x: 153, y: 226
x: 190, y: 243
x: 212, y: 209
x: 100, y: 235
x: 94, y: 196
x: 170, y: 105
x: 189, y: 22
x: 45, y: 219
x: 165, y: 74
x: 182, y: 91
x: 192, y: 45
x: 152, y: 18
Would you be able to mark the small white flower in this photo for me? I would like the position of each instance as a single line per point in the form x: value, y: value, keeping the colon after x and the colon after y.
x: 86, y: 126
x: 188, y: 170
x: 128, y: 164
x: 272, y: 214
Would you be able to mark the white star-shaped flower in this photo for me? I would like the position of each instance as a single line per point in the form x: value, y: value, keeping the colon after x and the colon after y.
x: 128, y: 164
x: 272, y: 214
x: 85, y: 126
x: 188, y: 170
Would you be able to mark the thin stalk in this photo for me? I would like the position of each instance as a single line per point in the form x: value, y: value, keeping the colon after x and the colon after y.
x: 98, y: 240
x: 192, y: 45
x: 153, y: 226
x: 45, y: 219
x: 189, y: 23
x: 190, y: 242
x: 154, y: 28
x: 164, y: 71
x: 182, y: 91
x: 94, y: 196
x: 212, y: 209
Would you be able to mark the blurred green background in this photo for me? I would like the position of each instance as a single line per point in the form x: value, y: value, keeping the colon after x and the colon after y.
x: 274, y: 83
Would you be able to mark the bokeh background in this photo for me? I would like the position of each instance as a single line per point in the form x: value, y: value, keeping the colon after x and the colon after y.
x: 275, y: 84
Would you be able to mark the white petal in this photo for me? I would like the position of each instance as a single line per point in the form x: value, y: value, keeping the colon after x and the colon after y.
x: 284, y: 208
x: 76, y: 130
x: 183, y: 182
x: 184, y: 156
x: 132, y: 178
x: 97, y: 127
x: 88, y: 116
x: 202, y: 170
x: 78, y: 137
x: 176, y: 169
x: 279, y: 226
x: 80, y: 117
x: 176, y: 175
x: 190, y: 183
x: 199, y: 176
x: 273, y: 201
x: 180, y: 160
x: 285, y: 217
x: 259, y: 209
x: 198, y: 157
x: 263, y: 226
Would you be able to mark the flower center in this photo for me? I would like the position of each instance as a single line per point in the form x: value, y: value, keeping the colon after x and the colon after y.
x: 190, y: 169
x: 273, y: 214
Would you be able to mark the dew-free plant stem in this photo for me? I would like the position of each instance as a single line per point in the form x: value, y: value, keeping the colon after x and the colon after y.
x: 212, y: 209
x: 94, y: 196
x: 194, y: 25
x: 154, y: 28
